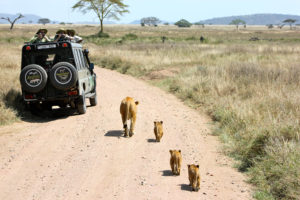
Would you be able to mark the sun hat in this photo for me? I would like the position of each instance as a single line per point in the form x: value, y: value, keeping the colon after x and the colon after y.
x: 61, y: 30
x: 42, y: 29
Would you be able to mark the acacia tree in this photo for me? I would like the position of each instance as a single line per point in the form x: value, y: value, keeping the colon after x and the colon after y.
x: 44, y: 21
x: 104, y: 9
x: 12, y: 22
x: 150, y: 21
x: 290, y: 22
x: 237, y: 22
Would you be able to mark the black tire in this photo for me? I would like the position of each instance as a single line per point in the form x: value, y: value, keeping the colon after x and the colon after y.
x: 63, y: 76
x: 93, y: 100
x: 33, y: 78
x: 81, y: 105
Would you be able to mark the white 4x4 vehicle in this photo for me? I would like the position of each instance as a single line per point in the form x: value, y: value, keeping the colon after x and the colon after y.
x: 57, y: 73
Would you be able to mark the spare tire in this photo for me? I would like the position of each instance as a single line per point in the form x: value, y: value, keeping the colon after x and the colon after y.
x: 33, y: 78
x: 63, y: 75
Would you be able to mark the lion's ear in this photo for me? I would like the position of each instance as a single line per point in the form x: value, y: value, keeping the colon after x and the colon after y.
x: 136, y: 103
x: 154, y: 122
x: 197, y: 166
x: 161, y: 122
x: 171, y: 151
x: 189, y: 166
x: 179, y: 151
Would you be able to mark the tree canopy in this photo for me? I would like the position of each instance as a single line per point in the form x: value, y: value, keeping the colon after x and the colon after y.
x: 104, y: 9
x: 44, y: 21
x: 154, y: 21
x: 183, y: 23
x: 290, y: 22
x: 237, y: 22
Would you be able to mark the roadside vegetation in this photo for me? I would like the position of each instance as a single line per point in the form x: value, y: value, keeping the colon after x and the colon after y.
x: 249, y: 88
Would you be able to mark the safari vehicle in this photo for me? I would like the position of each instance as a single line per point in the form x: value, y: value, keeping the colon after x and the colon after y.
x: 57, y: 73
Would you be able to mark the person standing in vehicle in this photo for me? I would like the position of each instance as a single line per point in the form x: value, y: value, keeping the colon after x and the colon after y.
x: 61, y: 34
x: 40, y: 36
x: 74, y: 38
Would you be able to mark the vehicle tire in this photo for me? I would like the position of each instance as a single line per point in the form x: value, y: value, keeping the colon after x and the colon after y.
x: 93, y: 100
x: 81, y: 105
x: 63, y: 76
x: 33, y: 78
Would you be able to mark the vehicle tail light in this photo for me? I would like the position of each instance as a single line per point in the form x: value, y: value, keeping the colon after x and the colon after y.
x: 72, y: 93
x: 64, y: 45
x: 28, y: 48
x: 29, y: 96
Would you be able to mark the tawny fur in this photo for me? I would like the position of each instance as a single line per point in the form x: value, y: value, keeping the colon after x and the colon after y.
x: 194, y: 177
x: 128, y: 110
x: 158, y: 130
x: 175, y: 161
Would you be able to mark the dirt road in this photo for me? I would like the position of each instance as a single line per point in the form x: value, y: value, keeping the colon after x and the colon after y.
x: 85, y: 156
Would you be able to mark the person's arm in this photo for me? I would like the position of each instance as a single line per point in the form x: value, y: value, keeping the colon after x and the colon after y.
x: 77, y: 39
x: 47, y: 39
x: 56, y: 38
x: 33, y: 39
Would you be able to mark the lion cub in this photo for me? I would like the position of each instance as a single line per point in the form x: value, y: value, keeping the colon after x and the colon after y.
x: 175, y: 161
x: 158, y: 130
x: 194, y: 177
x: 128, y: 110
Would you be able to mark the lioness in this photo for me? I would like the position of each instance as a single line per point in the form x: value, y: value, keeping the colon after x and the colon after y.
x: 194, y: 177
x: 158, y: 130
x: 128, y: 110
x: 175, y: 161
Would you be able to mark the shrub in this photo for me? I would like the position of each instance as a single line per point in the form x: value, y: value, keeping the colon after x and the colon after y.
x: 183, y: 23
x: 103, y: 35
x: 130, y: 36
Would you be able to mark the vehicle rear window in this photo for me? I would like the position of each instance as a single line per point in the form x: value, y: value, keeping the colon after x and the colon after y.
x: 47, y: 59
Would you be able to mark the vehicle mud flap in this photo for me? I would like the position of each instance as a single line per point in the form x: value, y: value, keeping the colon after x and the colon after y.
x: 63, y: 76
x: 93, y: 100
x: 33, y: 78
x: 81, y: 104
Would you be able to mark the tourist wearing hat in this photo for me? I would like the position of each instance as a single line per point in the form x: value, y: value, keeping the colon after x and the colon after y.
x: 74, y: 38
x: 61, y: 34
x: 40, y: 36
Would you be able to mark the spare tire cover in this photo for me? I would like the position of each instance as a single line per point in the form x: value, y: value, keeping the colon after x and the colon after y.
x: 33, y: 78
x: 63, y: 75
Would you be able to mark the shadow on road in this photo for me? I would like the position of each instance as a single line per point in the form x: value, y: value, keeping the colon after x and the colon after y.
x: 114, y: 133
x: 151, y: 140
x: 185, y: 187
x: 43, y: 116
x: 167, y: 173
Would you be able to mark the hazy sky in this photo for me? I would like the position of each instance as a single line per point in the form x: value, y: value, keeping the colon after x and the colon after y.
x: 170, y: 10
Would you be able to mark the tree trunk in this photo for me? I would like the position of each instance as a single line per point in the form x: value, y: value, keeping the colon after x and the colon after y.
x: 11, y: 26
x: 101, y: 26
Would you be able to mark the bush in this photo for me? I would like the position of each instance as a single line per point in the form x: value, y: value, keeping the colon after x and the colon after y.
x: 130, y: 36
x: 183, y: 23
x: 103, y: 35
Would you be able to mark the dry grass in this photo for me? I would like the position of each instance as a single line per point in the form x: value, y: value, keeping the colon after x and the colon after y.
x: 251, y: 89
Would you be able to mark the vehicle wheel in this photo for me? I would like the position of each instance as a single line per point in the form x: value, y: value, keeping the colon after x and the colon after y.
x: 33, y: 78
x: 63, y: 76
x: 81, y: 105
x: 93, y: 100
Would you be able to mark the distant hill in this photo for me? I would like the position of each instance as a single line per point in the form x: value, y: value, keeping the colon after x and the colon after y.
x: 256, y: 19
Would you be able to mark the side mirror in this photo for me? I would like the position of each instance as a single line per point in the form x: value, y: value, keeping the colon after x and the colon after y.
x: 86, y: 51
x: 92, y: 66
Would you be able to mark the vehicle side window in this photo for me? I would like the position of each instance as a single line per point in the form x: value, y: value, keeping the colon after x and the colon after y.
x: 79, y: 58
x: 76, y: 59
x: 83, y: 60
